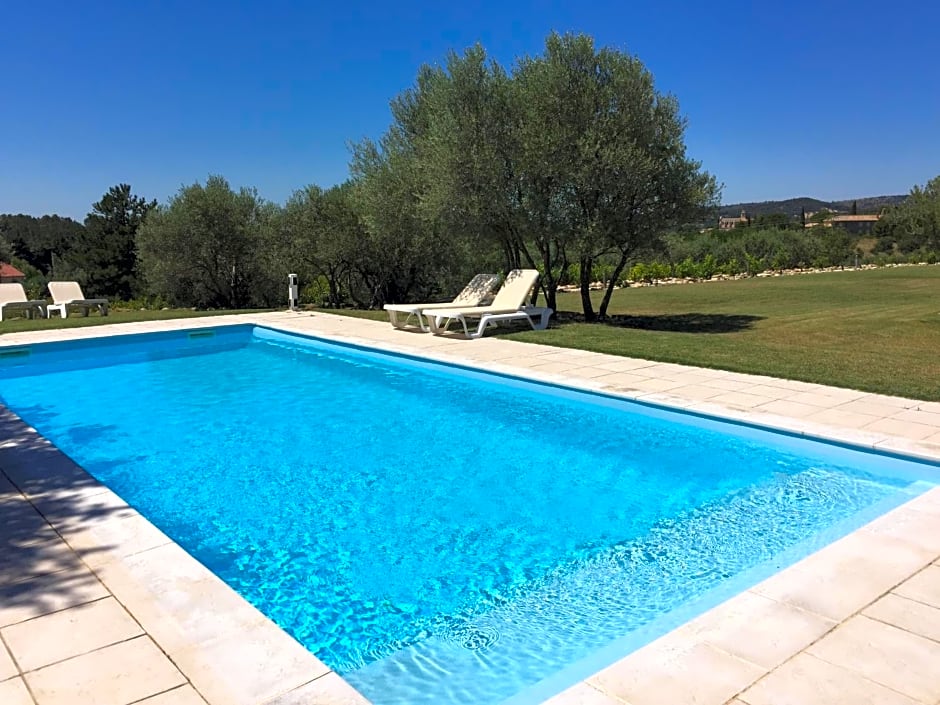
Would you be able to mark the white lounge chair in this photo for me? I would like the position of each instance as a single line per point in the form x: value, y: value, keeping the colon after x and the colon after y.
x: 509, y: 305
x: 69, y: 294
x: 13, y: 300
x: 475, y: 293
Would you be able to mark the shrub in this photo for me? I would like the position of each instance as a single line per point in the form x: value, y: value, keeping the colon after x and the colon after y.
x: 640, y: 273
x: 730, y: 268
x: 316, y: 292
x: 709, y: 266
x: 753, y: 265
x: 686, y: 269
x: 660, y: 270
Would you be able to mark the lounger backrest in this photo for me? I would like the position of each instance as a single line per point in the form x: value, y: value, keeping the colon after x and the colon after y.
x: 479, y: 289
x: 515, y: 290
x: 12, y: 293
x: 63, y: 292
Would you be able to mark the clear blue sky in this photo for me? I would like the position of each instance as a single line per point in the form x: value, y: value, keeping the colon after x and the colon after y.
x: 827, y: 99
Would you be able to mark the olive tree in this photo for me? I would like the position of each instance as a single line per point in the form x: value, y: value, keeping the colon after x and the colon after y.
x: 203, y: 248
x: 571, y: 156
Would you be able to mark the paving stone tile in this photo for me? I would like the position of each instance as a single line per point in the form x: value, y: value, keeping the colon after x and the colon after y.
x: 903, y: 429
x: 826, y: 398
x: 22, y: 525
x: 772, y: 392
x: 624, y: 364
x: 654, y: 384
x: 933, y: 440
x: 583, y: 694
x: 48, y: 593
x: 900, y: 660
x: 728, y: 384
x: 911, y: 525
x: 807, y: 680
x: 176, y: 599
x: 847, y: 575
x: 873, y: 407
x: 69, y: 511
x: 695, y: 392
x: 13, y: 692
x: 622, y: 380
x: 115, y: 675
x: 667, y: 672
x: 8, y: 669
x: 927, y: 449
x: 785, y: 407
x: 843, y: 419
x: 587, y: 372
x: 894, y: 402
x: 928, y: 501
x: 184, y: 695
x: 71, y: 632
x: 740, y: 400
x: 910, y: 615
x: 554, y: 367
x: 330, y: 689
x: 36, y: 466
x: 7, y: 490
x: 665, y: 399
x: 923, y: 587
x: 254, y: 665
x: 37, y: 558
x: 759, y: 630
x: 917, y: 416
x: 118, y: 537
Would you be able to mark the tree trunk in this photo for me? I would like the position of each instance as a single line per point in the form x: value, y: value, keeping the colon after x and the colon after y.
x: 614, y: 278
x: 587, y: 264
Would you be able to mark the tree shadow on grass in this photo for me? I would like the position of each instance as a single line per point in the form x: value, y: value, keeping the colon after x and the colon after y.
x: 671, y: 323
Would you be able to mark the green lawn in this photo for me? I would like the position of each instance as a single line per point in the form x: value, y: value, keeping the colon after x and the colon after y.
x: 876, y: 330
x: 17, y: 325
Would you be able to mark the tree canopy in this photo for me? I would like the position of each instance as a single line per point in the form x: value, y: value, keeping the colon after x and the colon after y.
x: 914, y: 225
x: 570, y: 157
x: 40, y: 242
x: 203, y: 248
x: 105, y: 257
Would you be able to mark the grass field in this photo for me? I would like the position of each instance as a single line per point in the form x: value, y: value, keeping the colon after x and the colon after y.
x: 17, y: 325
x: 876, y: 330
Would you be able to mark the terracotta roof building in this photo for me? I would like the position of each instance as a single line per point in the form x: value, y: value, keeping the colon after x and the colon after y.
x: 9, y: 273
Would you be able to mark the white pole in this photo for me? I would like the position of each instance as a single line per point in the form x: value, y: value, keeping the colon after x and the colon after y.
x: 292, y: 292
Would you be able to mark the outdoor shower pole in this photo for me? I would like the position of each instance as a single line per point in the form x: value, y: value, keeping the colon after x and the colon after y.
x: 292, y: 292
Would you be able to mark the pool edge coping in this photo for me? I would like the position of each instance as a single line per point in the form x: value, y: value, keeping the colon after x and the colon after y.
x: 889, y: 524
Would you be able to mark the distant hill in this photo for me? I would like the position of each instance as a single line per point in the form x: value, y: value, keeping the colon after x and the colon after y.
x: 793, y: 206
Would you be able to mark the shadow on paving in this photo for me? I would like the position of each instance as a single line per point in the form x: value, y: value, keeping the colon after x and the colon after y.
x: 671, y: 323
x: 39, y: 486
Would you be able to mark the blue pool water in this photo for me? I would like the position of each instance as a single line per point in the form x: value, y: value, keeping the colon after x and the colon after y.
x: 433, y: 534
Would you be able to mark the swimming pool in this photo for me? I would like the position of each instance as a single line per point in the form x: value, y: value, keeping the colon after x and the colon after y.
x: 438, y: 535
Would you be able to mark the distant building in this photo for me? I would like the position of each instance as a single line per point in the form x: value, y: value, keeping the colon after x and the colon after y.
x: 726, y: 223
x: 855, y: 224
x: 10, y: 274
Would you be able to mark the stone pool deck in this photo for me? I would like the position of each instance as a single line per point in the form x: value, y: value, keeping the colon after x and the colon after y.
x: 99, y: 606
